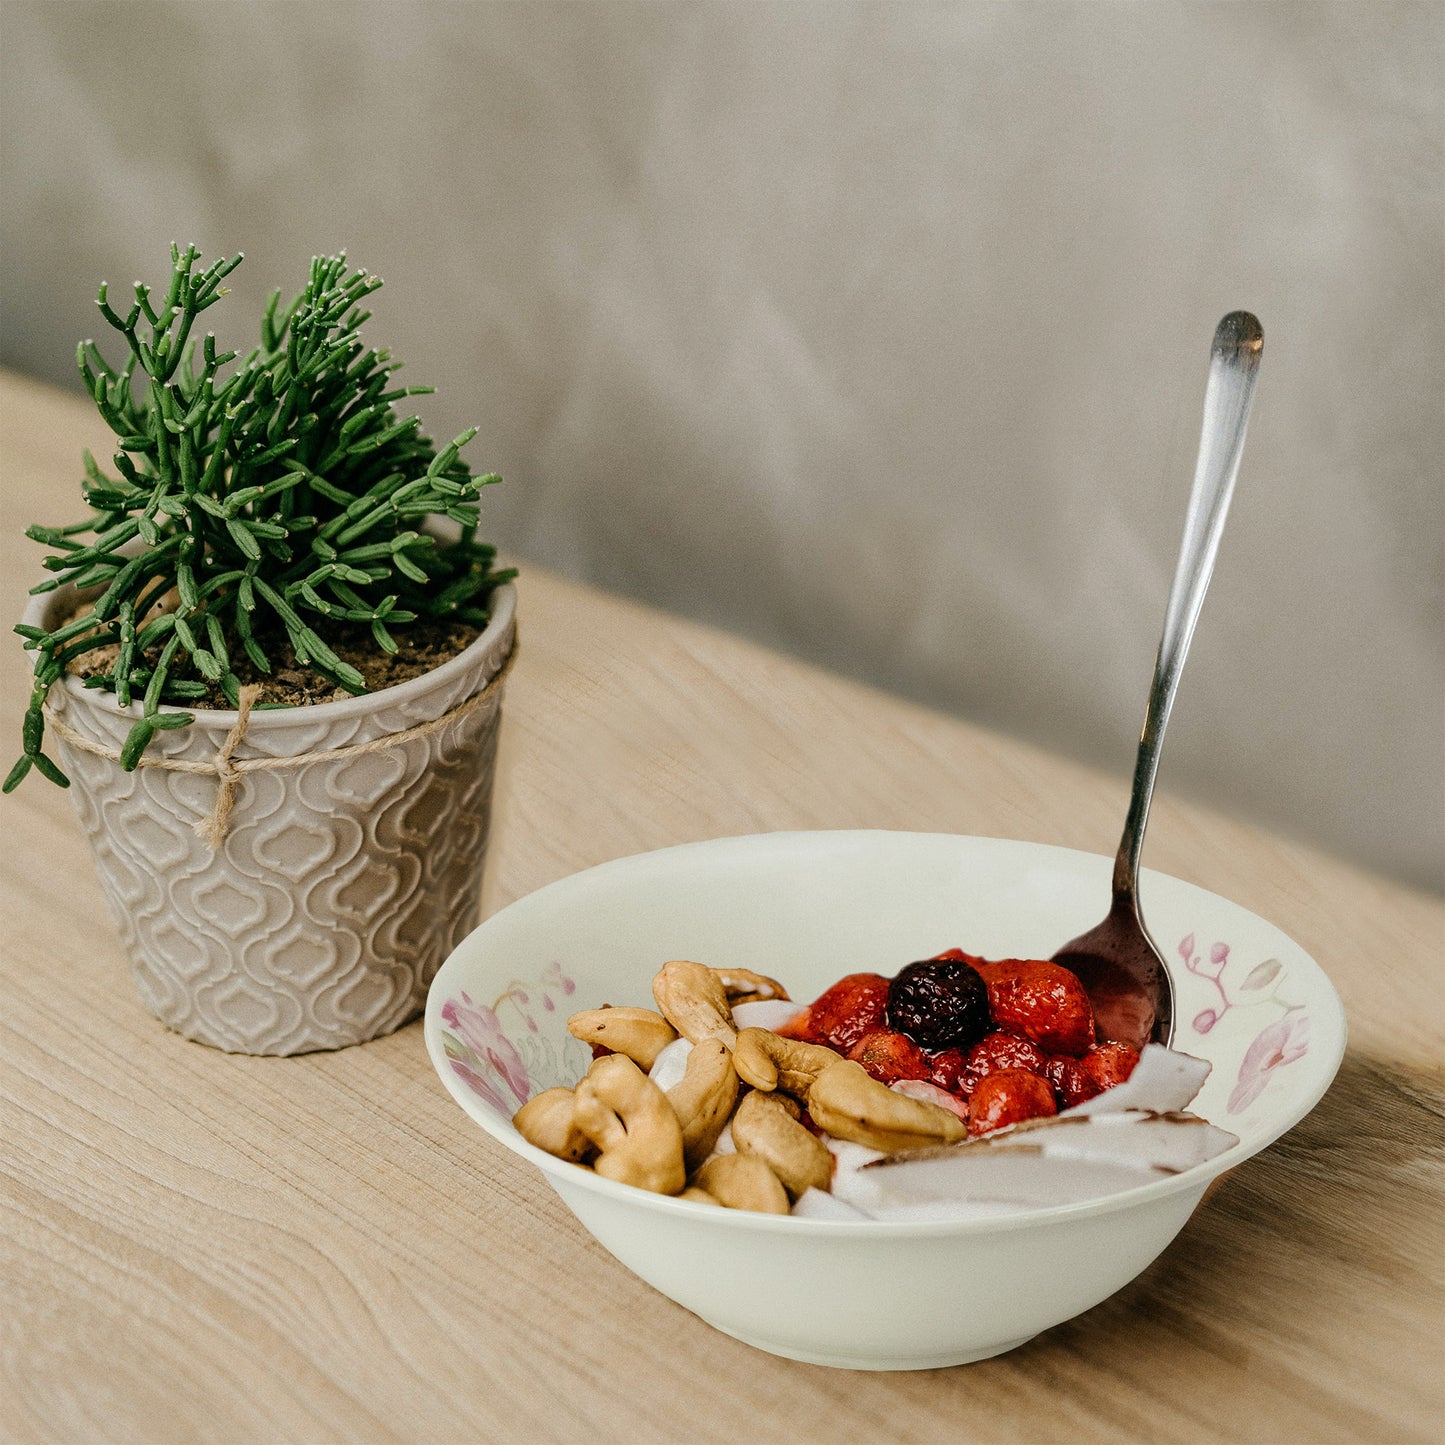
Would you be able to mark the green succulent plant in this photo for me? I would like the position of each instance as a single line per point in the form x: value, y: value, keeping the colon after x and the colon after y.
x: 271, y: 499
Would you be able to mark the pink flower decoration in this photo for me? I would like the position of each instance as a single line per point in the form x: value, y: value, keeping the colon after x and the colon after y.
x: 1219, y: 953
x: 1186, y: 947
x: 1205, y: 1021
x: 1281, y: 1043
x: 553, y: 977
x: 480, y: 1086
x: 481, y: 1031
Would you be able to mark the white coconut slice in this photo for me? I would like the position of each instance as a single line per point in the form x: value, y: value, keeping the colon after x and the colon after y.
x: 1164, y: 1081
x: 1022, y: 1176
x: 930, y: 1211
x: 815, y: 1204
x: 849, y: 1184
x: 670, y: 1065
x: 930, y: 1094
x: 1061, y: 1160
x: 1171, y: 1142
x: 765, y: 1013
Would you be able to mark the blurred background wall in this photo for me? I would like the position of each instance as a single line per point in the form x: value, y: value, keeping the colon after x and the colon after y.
x: 875, y: 331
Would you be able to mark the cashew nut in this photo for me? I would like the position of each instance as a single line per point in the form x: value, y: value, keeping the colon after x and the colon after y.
x: 766, y: 1125
x: 698, y: 1196
x: 637, y: 1032
x: 629, y: 1119
x: 769, y: 1062
x: 743, y: 1181
x: 548, y: 1121
x: 703, y: 1101
x: 848, y: 1103
x: 742, y: 985
x: 694, y: 1002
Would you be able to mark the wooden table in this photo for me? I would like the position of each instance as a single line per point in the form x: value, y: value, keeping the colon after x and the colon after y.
x: 198, y: 1246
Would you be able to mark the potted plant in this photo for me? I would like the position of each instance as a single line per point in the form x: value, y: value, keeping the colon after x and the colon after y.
x: 272, y: 679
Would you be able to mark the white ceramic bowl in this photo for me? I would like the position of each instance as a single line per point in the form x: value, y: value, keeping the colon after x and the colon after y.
x: 808, y: 908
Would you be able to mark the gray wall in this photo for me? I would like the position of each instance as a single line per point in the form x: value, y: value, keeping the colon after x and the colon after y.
x: 876, y: 331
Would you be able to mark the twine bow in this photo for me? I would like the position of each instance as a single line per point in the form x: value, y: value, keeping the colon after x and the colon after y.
x: 213, y: 827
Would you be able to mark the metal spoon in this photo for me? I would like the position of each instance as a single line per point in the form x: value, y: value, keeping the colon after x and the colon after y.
x: 1118, y: 963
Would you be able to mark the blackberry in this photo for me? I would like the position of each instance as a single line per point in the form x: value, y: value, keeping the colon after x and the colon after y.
x: 940, y: 1003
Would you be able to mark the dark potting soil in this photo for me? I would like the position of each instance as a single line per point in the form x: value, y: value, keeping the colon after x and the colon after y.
x: 421, y: 646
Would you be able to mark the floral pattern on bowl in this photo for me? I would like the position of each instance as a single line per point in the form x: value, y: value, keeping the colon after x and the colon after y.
x: 1239, y: 989
x: 502, y: 1052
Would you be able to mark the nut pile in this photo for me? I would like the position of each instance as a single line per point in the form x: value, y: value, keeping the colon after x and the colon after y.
x: 757, y: 1085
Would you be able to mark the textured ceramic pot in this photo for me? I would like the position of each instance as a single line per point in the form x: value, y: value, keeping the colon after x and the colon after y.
x: 340, y: 884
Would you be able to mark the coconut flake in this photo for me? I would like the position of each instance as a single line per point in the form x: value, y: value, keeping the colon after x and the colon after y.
x: 849, y: 1183
x: 1171, y: 1142
x: 670, y: 1065
x: 815, y: 1204
x: 930, y: 1094
x: 932, y: 1211
x: 1022, y: 1177
x: 1061, y: 1160
x: 765, y: 1013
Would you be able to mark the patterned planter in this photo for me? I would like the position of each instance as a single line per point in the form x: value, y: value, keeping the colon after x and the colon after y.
x: 340, y: 885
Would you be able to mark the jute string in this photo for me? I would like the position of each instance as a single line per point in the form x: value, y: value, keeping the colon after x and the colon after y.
x: 229, y: 770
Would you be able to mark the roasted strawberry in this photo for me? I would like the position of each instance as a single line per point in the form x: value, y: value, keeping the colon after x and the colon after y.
x: 997, y: 1051
x: 950, y: 1071
x: 854, y: 1006
x: 958, y: 956
x: 1008, y: 1097
x: 1110, y: 1064
x: 1073, y: 1083
x: 888, y: 1056
x: 1042, y: 1002
x: 940, y: 1003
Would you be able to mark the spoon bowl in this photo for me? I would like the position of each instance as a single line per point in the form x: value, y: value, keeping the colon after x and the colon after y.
x: 1118, y: 963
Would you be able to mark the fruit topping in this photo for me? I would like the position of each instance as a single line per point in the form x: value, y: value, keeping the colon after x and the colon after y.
x: 959, y: 956
x: 940, y: 1003
x: 1072, y: 1082
x: 1008, y: 1097
x: 1042, y: 1002
x: 998, y: 1051
x: 1110, y: 1064
x: 854, y: 1006
x: 950, y: 1071
x: 888, y: 1056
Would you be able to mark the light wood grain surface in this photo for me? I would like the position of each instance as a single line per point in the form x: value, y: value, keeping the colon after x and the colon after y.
x: 197, y: 1246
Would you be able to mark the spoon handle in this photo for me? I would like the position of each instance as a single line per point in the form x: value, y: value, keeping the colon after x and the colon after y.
x: 1233, y: 371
